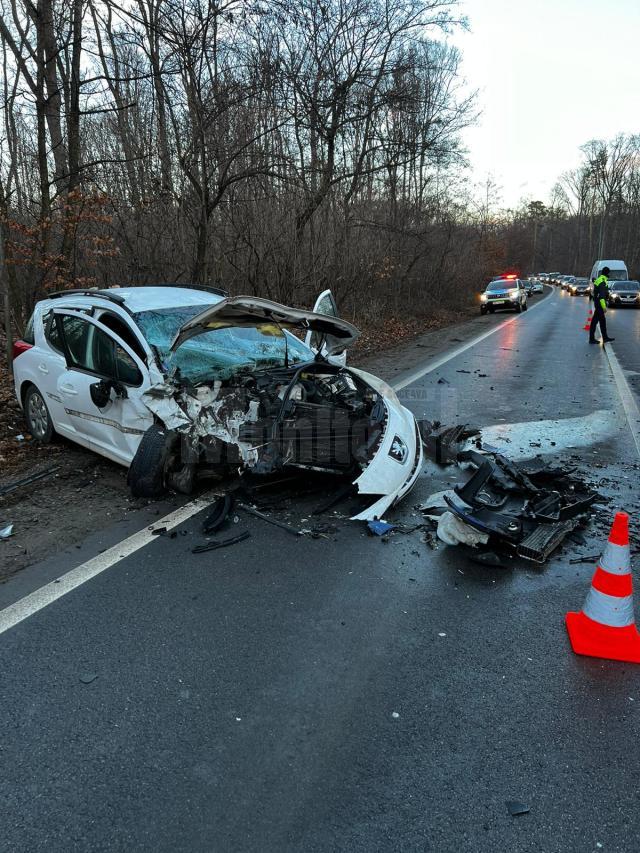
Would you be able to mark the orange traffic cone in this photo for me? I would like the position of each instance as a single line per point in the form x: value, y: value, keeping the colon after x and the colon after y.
x: 605, y: 627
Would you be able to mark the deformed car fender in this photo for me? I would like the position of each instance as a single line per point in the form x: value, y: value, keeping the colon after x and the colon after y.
x: 399, y: 457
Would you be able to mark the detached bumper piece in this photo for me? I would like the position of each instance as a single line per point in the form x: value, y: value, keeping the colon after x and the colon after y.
x: 521, y: 510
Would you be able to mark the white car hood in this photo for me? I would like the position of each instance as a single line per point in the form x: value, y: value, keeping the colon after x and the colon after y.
x: 252, y: 311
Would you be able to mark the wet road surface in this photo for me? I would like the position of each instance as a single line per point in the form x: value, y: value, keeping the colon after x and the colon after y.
x: 291, y: 694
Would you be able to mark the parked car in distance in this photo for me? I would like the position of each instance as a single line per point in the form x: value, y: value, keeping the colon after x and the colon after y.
x: 537, y: 287
x: 580, y: 287
x: 504, y: 294
x: 528, y: 286
x: 624, y: 293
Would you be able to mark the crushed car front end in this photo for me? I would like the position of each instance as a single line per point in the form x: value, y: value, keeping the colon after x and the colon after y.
x: 275, y: 408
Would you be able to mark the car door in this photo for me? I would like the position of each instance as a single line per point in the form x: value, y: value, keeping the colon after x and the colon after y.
x: 97, y: 358
x: 325, y: 304
x: 49, y: 365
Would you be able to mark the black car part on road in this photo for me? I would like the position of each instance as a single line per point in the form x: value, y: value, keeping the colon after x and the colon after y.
x: 524, y: 509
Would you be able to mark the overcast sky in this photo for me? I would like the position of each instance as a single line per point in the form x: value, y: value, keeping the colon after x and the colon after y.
x: 552, y: 74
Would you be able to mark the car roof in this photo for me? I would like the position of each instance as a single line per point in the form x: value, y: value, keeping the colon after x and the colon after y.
x: 144, y: 298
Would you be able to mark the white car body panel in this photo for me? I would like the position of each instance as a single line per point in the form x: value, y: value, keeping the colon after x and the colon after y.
x: 384, y: 475
x: 116, y: 429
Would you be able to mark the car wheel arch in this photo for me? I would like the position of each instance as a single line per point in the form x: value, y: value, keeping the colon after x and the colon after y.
x: 26, y: 384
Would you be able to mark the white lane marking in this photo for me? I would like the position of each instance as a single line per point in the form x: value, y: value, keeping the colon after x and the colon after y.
x: 40, y: 598
x: 443, y: 359
x: 629, y: 403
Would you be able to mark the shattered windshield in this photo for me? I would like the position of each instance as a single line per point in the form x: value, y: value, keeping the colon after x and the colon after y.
x: 219, y: 353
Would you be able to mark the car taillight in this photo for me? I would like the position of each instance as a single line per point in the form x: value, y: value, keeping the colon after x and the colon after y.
x: 19, y: 347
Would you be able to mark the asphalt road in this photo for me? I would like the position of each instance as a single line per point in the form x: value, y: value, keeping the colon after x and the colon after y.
x: 292, y: 694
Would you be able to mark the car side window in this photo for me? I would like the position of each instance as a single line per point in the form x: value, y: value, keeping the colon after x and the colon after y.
x: 52, y: 332
x: 28, y: 335
x: 122, y: 330
x: 76, y: 336
x: 327, y: 306
x: 93, y: 350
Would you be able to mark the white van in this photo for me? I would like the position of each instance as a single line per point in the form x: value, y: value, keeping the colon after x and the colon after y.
x: 617, y: 270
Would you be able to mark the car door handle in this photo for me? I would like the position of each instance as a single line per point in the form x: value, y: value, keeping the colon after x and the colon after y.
x: 43, y: 368
x: 69, y: 389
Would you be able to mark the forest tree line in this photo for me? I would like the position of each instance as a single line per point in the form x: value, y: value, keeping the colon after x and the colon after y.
x: 264, y: 147
x: 270, y: 148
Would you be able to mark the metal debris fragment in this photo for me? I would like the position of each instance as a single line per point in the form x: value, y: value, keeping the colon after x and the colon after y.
x: 26, y: 481
x: 515, y: 808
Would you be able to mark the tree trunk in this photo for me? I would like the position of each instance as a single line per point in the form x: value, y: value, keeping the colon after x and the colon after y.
x: 6, y: 295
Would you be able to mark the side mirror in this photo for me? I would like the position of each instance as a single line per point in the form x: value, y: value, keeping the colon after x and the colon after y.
x: 101, y: 391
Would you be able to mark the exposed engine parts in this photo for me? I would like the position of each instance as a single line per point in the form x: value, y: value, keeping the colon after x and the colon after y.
x: 317, y: 416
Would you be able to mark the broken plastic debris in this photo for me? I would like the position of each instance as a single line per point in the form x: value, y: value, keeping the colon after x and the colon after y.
x: 5, y: 532
x: 219, y: 513
x: 379, y: 528
x: 516, y: 808
x: 453, y: 531
x: 395, y: 715
x: 442, y: 634
x: 88, y: 677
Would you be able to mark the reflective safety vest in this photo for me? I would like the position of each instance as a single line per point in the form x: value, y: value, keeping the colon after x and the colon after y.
x: 601, y: 290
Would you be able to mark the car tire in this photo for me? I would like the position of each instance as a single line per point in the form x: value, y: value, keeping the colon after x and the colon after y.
x: 519, y: 308
x: 37, y: 416
x: 153, y: 470
x: 492, y: 310
x: 525, y: 306
x: 483, y: 311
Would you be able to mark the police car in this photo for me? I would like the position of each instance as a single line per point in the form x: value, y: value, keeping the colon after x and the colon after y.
x: 505, y: 293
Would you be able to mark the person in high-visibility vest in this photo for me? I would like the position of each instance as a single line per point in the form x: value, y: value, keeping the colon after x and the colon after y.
x: 600, y: 294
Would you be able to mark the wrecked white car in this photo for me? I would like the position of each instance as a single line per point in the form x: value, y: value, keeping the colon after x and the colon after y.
x: 178, y: 382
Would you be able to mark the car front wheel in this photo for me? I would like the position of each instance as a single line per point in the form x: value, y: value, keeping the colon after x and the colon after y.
x: 37, y: 416
x: 157, y: 465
